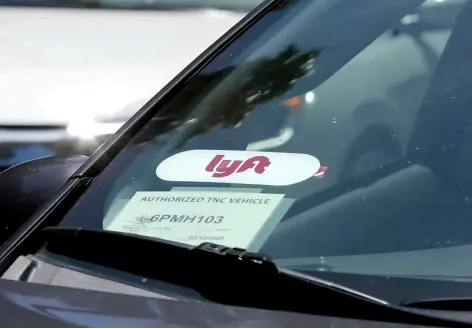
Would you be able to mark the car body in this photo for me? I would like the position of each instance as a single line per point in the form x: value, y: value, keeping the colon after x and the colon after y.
x: 36, y: 305
x: 61, y: 60
x: 214, y: 174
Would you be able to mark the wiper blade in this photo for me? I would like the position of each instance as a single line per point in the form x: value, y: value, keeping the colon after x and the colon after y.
x: 227, y: 275
x: 112, y: 249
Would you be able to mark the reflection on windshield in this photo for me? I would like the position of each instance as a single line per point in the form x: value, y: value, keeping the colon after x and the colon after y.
x: 244, y: 87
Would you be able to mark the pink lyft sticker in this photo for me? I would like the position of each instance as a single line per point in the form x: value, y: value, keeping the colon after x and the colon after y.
x: 238, y: 167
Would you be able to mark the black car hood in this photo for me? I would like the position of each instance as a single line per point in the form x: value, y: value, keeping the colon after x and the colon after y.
x: 33, y: 305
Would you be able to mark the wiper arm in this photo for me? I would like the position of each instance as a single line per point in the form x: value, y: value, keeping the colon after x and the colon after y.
x: 227, y: 275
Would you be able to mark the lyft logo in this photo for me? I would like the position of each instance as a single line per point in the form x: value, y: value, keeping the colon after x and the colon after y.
x: 224, y: 168
x: 238, y: 167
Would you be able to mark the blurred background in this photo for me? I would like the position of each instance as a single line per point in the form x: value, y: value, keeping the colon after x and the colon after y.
x: 73, y: 71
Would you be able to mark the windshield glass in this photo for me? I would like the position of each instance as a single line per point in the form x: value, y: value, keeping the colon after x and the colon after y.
x: 331, y: 135
x: 239, y: 5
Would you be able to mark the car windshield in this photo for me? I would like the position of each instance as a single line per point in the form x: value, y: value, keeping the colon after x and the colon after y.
x: 330, y: 135
x: 239, y: 5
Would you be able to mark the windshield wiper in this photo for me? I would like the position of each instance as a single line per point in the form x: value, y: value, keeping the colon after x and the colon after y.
x: 228, y: 275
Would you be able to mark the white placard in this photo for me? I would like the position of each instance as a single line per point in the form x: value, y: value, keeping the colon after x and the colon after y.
x: 193, y: 217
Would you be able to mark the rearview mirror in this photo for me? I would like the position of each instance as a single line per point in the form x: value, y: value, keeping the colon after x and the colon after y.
x: 25, y: 187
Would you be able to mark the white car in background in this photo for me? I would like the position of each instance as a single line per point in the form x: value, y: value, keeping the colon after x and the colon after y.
x: 72, y: 71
